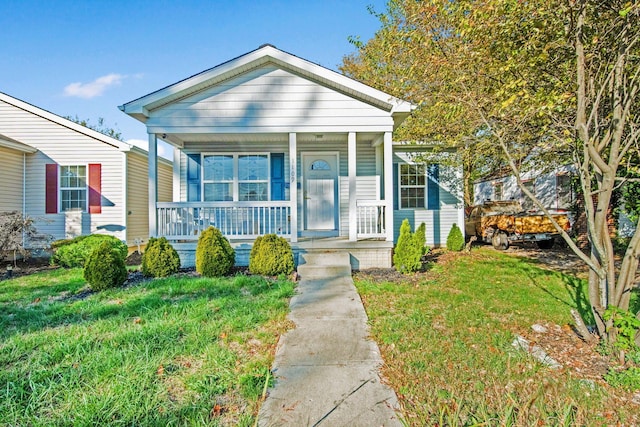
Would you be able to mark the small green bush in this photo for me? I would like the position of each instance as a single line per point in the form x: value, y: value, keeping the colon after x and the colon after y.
x: 214, y: 255
x: 626, y: 379
x: 105, y: 267
x: 71, y: 253
x: 160, y: 259
x: 455, y: 240
x: 420, y: 237
x: 270, y: 256
x: 407, y: 254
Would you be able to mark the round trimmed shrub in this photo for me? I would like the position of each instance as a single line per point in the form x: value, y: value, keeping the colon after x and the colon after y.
x: 105, y: 268
x: 71, y: 253
x: 455, y: 240
x: 270, y: 256
x: 214, y: 254
x: 160, y: 259
x: 407, y: 254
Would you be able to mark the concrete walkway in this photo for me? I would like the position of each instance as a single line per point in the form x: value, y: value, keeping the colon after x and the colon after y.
x: 326, y: 369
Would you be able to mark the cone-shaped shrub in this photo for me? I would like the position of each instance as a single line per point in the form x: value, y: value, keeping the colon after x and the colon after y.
x: 420, y: 237
x: 214, y: 255
x: 270, y: 256
x: 105, y: 268
x: 160, y: 259
x: 455, y: 240
x: 407, y: 254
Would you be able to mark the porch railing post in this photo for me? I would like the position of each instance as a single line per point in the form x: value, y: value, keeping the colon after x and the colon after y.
x: 293, y: 185
x: 388, y: 184
x: 353, y: 214
x: 153, y: 185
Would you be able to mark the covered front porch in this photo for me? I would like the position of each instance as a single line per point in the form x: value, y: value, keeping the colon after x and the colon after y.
x: 316, y: 201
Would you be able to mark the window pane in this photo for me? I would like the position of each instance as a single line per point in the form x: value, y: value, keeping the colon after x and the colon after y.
x: 412, y: 197
x: 320, y: 165
x: 253, y: 191
x: 218, y: 192
x: 73, y: 199
x: 73, y: 176
x: 253, y: 168
x: 218, y: 168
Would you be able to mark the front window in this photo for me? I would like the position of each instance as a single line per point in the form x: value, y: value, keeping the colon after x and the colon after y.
x: 218, y: 178
x: 563, y: 190
x: 253, y: 177
x: 527, y: 203
x: 498, y: 193
x: 73, y: 188
x: 235, y: 177
x: 412, y: 186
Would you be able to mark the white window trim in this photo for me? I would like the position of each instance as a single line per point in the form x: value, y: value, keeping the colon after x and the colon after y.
x: 235, y: 183
x: 85, y: 208
x: 400, y: 186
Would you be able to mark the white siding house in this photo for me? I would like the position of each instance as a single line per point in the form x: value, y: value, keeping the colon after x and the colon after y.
x: 271, y: 143
x: 553, y: 189
x: 71, y: 179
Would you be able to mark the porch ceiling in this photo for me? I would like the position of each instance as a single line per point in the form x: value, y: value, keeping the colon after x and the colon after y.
x: 183, y: 139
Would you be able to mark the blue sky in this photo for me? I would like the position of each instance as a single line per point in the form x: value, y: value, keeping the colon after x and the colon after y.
x: 85, y: 58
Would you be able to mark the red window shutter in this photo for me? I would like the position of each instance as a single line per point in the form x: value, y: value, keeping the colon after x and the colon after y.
x: 51, y: 188
x: 95, y: 188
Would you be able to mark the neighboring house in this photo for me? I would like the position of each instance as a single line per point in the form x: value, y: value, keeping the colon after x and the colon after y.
x: 71, y: 179
x: 553, y: 189
x: 271, y: 143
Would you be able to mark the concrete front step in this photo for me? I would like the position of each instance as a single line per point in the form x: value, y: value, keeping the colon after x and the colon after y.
x: 324, y: 265
x: 324, y: 258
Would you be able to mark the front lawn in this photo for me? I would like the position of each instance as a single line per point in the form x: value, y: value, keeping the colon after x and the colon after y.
x: 446, y: 337
x: 176, y: 351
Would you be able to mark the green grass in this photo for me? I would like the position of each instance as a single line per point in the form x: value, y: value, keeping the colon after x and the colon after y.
x: 176, y: 351
x: 446, y: 342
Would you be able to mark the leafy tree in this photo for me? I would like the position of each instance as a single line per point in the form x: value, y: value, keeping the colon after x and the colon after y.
x: 529, y: 85
x: 98, y: 127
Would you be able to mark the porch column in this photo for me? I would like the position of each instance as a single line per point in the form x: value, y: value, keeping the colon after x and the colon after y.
x: 353, y: 206
x: 176, y: 174
x: 388, y: 184
x: 293, y: 185
x: 153, y: 185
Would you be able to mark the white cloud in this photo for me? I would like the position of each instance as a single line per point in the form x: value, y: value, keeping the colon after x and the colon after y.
x: 94, y: 88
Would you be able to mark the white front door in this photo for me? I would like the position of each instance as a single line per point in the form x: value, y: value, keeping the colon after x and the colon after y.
x: 320, y: 190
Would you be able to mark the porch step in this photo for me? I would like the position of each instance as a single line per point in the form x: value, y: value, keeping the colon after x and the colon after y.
x: 318, y: 265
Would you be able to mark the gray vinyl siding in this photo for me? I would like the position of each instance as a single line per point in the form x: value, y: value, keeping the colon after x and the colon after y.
x: 64, y: 146
x: 438, y: 221
x: 11, y: 180
x: 268, y: 100
x: 545, y: 186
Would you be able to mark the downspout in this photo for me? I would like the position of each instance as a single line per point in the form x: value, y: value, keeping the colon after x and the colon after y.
x: 24, y: 192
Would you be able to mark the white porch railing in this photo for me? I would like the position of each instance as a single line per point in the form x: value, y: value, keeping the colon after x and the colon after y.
x: 236, y: 220
x: 371, y: 218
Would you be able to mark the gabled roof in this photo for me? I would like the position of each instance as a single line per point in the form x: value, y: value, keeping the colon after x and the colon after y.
x: 122, y: 146
x: 140, y: 108
x: 5, y: 141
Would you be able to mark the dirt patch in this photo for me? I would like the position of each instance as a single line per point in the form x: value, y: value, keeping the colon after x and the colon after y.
x: 559, y: 258
x: 22, y: 267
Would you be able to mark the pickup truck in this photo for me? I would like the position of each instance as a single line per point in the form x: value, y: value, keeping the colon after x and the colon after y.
x: 504, y: 222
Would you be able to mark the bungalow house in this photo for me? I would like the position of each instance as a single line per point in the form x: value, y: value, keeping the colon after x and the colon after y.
x: 271, y: 143
x: 73, y: 180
